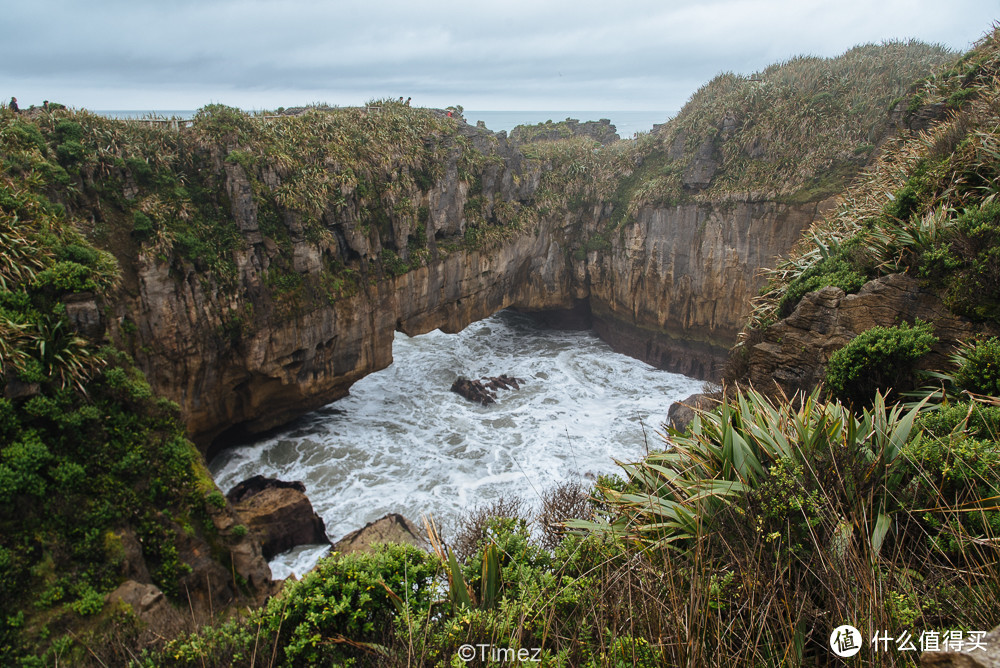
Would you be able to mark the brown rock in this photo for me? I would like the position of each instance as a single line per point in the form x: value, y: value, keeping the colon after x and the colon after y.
x: 393, y: 528
x: 967, y: 658
x: 279, y: 513
x: 681, y: 413
x: 151, y: 607
x: 795, y: 351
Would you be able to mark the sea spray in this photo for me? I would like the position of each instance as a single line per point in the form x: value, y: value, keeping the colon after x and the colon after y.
x: 403, y: 442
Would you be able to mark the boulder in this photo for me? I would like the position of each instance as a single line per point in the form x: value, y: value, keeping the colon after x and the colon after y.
x: 681, y: 413
x: 151, y: 607
x: 279, y: 513
x: 484, y: 391
x: 987, y: 657
x: 392, y: 528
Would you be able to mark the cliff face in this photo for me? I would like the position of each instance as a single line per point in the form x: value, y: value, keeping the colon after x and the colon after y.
x: 674, y: 290
x: 250, y: 356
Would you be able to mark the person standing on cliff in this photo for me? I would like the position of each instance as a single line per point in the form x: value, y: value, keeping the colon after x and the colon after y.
x: 13, y: 105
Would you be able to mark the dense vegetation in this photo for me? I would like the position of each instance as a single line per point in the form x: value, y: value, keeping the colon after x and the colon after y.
x: 928, y: 207
x: 796, y: 131
x: 90, y: 459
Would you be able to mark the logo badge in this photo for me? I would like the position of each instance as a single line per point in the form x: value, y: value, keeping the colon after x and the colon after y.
x: 845, y: 641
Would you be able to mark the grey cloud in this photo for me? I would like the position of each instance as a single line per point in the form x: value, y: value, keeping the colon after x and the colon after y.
x: 641, y: 49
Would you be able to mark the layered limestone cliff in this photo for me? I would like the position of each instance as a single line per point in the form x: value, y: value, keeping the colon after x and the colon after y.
x: 675, y: 288
x: 672, y: 289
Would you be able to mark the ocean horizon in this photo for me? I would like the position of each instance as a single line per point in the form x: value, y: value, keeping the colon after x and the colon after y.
x: 627, y: 123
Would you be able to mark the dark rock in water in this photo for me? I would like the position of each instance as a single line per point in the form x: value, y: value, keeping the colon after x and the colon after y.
x: 392, y: 528
x: 279, y: 513
x: 258, y: 484
x: 484, y: 391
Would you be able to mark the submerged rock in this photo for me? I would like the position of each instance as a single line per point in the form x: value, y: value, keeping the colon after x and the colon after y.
x: 279, y: 513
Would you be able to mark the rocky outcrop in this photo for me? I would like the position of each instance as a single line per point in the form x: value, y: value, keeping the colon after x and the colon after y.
x: 681, y: 413
x: 484, y: 391
x: 794, y: 352
x: 278, y: 514
x: 159, y: 618
x: 601, y: 131
x: 392, y: 528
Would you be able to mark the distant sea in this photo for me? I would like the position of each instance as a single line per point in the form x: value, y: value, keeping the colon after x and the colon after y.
x: 626, y: 122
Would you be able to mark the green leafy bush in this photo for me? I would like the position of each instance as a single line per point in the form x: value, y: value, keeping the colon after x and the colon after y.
x: 352, y: 596
x: 66, y: 276
x: 878, y: 359
x: 974, y: 280
x: 848, y: 267
x: 979, y: 371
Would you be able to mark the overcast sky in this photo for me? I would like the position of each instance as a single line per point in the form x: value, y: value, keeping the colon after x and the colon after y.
x: 516, y: 54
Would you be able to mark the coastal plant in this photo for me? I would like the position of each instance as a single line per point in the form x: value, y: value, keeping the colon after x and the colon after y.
x: 878, y: 359
x: 928, y: 204
x: 791, y: 515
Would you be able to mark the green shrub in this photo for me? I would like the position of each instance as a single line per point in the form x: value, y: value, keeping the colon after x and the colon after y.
x: 848, y: 268
x: 974, y: 248
x: 980, y: 370
x: 66, y: 276
x: 880, y: 358
x: 69, y: 130
x: 971, y: 418
x: 349, y: 597
x: 84, y: 255
x: 70, y: 152
x: 142, y: 226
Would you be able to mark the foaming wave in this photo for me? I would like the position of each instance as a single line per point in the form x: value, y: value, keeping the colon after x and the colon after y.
x: 403, y: 442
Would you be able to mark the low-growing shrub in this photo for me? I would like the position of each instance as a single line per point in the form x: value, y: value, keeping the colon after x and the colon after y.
x: 979, y: 371
x: 880, y: 358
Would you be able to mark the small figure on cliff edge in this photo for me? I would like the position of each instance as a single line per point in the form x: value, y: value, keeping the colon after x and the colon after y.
x: 13, y: 105
x: 45, y: 105
x: 408, y: 101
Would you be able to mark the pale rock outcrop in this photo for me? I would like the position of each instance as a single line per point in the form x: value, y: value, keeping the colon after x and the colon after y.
x: 391, y: 528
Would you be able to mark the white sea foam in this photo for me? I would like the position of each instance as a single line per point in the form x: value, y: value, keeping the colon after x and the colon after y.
x: 403, y: 442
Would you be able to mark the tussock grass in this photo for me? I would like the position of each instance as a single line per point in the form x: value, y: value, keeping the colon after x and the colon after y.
x: 907, y: 202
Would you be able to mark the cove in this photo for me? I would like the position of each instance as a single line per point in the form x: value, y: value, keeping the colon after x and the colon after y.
x: 403, y: 442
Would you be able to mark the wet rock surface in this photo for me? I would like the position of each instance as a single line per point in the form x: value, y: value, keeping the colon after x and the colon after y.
x: 484, y: 391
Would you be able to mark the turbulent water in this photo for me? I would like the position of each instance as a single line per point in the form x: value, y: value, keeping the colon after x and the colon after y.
x: 403, y: 442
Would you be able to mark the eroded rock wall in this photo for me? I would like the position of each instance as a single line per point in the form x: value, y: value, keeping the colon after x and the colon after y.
x: 675, y: 288
x: 240, y: 358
